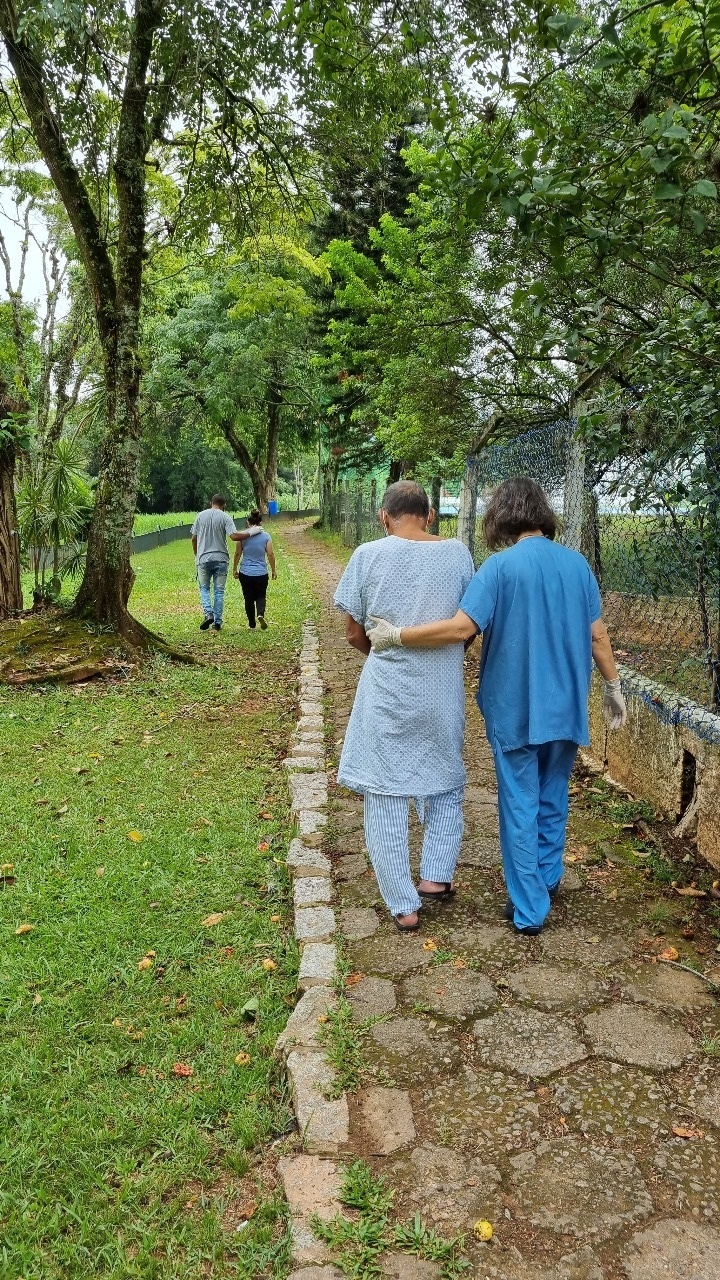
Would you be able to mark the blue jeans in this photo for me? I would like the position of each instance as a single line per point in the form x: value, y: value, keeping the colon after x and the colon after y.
x: 215, y: 572
x: 533, y: 804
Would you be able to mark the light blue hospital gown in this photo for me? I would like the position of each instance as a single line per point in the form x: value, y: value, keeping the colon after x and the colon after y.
x: 406, y: 729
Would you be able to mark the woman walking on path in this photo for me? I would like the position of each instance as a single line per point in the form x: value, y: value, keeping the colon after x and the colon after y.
x: 538, y: 607
x: 405, y: 735
x: 209, y: 534
x: 253, y: 575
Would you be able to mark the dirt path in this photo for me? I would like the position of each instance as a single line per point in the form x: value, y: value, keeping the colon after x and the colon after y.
x: 536, y: 1083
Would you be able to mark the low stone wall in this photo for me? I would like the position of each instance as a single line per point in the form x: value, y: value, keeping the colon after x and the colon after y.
x: 668, y: 753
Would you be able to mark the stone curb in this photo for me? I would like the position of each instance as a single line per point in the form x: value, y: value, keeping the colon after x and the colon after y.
x: 311, y: 1181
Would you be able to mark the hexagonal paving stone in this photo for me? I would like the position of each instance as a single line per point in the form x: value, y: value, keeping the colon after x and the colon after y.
x: 604, y: 1098
x: 484, y: 1113
x: 666, y: 988
x: 581, y: 1264
x: 411, y: 1051
x: 358, y: 922
x: 494, y: 944
x: 454, y: 993
x: 571, y: 1188
x: 674, y: 1250
x: 371, y: 997
x: 690, y: 1174
x: 362, y: 892
x: 584, y: 947
x: 552, y: 987
x: 699, y: 1094
x: 638, y: 1037
x: 392, y: 954
x: 528, y: 1042
x: 481, y: 851
x: 450, y: 1191
x: 350, y: 866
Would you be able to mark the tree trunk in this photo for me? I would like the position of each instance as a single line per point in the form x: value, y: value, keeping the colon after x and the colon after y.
x: 274, y: 412
x: 11, y: 601
x: 116, y: 291
x: 108, y: 578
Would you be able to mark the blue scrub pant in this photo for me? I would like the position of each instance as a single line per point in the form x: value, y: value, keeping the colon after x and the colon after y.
x: 533, y: 804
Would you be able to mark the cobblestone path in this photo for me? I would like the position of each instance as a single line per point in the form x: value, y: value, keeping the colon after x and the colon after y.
x: 531, y: 1082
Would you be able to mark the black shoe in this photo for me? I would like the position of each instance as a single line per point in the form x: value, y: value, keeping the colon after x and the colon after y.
x: 206, y: 622
x: 216, y: 626
x: 509, y: 910
x: 530, y: 930
x: 554, y: 891
x: 263, y: 623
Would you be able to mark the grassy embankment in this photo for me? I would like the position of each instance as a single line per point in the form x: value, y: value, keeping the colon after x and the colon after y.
x: 142, y: 909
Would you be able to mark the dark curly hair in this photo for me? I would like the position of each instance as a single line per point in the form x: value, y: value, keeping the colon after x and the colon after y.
x: 517, y: 506
x: 255, y: 517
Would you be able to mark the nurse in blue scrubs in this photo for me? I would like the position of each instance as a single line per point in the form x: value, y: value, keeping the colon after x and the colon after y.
x: 537, y: 605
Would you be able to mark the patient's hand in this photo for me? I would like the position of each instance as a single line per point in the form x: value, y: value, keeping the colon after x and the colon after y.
x: 383, y: 635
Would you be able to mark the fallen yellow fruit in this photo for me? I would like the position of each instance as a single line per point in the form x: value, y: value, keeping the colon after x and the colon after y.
x: 483, y: 1230
x: 269, y: 965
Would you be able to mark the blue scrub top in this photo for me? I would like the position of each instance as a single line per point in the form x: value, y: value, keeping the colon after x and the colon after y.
x: 535, y: 604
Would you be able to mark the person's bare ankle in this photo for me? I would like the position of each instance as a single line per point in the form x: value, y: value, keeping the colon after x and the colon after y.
x: 411, y: 919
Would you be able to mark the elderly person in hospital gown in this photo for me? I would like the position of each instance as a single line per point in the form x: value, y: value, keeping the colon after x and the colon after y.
x: 405, y: 735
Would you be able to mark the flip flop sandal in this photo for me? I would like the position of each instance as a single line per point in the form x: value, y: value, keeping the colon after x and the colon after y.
x: 437, y: 895
x: 406, y: 928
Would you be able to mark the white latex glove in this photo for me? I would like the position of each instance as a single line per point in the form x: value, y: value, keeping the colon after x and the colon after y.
x: 614, y: 705
x: 384, y: 635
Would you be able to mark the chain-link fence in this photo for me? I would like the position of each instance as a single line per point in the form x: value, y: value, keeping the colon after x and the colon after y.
x: 658, y: 565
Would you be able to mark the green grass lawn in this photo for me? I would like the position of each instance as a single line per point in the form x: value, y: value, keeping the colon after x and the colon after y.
x: 145, y: 823
x: 148, y: 524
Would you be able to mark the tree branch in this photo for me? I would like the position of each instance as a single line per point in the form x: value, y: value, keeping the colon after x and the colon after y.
x: 30, y: 74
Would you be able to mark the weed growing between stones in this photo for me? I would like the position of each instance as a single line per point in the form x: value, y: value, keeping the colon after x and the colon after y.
x: 344, y: 1041
x: 359, y: 1242
x: 711, y: 1046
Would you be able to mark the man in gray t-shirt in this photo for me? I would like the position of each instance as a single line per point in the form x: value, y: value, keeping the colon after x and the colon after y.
x: 209, y: 535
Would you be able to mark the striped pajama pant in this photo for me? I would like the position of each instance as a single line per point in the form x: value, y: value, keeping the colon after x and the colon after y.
x: 386, y: 836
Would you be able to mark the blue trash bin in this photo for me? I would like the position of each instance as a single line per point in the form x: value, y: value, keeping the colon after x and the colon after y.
x: 273, y: 507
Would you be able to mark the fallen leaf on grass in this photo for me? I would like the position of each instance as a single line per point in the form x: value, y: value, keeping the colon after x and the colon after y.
x: 135, y: 836
x: 681, y: 1132
x: 670, y: 953
x: 37, y: 999
x: 459, y: 963
x: 263, y: 846
x: 430, y: 945
x: 6, y: 867
x: 214, y: 918
x: 242, y: 1059
x: 269, y: 965
x: 353, y: 979
x: 276, y: 919
x: 250, y: 1009
x: 99, y: 871
x: 23, y: 928
x: 182, y: 1069
x: 146, y: 962
x: 691, y: 892
x: 248, y: 1210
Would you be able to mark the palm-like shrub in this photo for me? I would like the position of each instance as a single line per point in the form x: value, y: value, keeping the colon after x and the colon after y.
x: 54, y: 505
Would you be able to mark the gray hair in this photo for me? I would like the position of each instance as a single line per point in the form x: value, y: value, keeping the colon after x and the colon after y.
x: 405, y: 498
